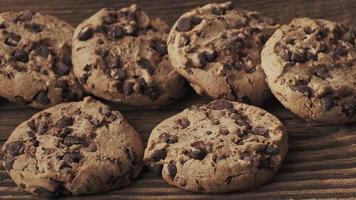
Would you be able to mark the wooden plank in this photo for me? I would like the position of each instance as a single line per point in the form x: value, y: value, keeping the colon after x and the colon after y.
x: 321, y: 160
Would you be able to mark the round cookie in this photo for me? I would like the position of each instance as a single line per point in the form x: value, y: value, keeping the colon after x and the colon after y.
x: 35, y: 60
x: 311, y: 68
x: 217, y: 49
x: 74, y: 148
x: 220, y: 147
x: 121, y: 56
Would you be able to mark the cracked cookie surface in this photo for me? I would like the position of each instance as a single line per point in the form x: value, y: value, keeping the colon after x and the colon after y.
x: 219, y: 147
x: 121, y: 56
x: 310, y: 66
x: 217, y: 49
x: 35, y: 60
x: 73, y: 148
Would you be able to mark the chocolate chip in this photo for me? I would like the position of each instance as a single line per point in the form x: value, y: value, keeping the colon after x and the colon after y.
x: 42, y: 97
x: 169, y: 139
x: 92, y: 147
x: 96, y: 122
x: 86, y: 33
x: 62, y: 69
x: 69, y: 95
x: 349, y: 37
x: 158, y: 155
x: 172, y: 169
x: 341, y: 50
x: 128, y: 88
x: 21, y: 55
x: 151, y: 92
x: 2, y: 26
x: 43, y: 192
x: 9, y: 163
x: 187, y: 23
x: 202, y: 60
x: 61, y: 84
x: 14, y: 148
x: 159, y: 46
x: 322, y: 72
x: 221, y: 104
x: 21, y: 100
x: 41, y: 50
x: 328, y: 102
x: 271, y: 150
x: 27, y: 15
x: 64, y: 132
x: 186, y: 40
x: 64, y: 122
x: 146, y: 64
x: 238, y: 65
x: 12, y: 39
x: 349, y: 109
x: 300, y: 57
x: 156, y: 168
x: 224, y: 132
x: 184, y: 123
x: 198, y: 154
x: 110, y: 18
x: 34, y: 27
x: 73, y: 140
x: 321, y: 33
x: 218, y: 11
x: 72, y: 158
x: 115, y: 32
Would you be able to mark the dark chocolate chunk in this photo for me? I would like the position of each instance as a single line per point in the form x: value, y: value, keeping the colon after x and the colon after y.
x: 202, y: 60
x: 64, y: 122
x: 42, y: 98
x: 158, y: 155
x: 69, y: 95
x: 159, y: 46
x: 92, y: 147
x: 8, y: 163
x: 341, y: 50
x: 27, y: 15
x: 41, y: 50
x: 221, y: 104
x: 187, y: 23
x: 169, y: 139
x: 62, y: 69
x: 322, y: 72
x: 238, y: 65
x: 224, y: 132
x: 218, y: 11
x: 21, y: 55
x: 151, y: 92
x: 271, y: 150
x: 300, y: 57
x: 34, y: 27
x: 64, y: 132
x: 321, y: 33
x: 72, y: 140
x: 12, y: 39
x: 61, y: 84
x: 43, y: 192
x: 72, y: 158
x: 156, y: 168
x: 286, y: 55
x: 146, y: 64
x: 115, y: 32
x: 172, y: 169
x: 349, y: 109
x: 86, y: 33
x: 14, y: 148
x: 128, y: 88
x: 328, y: 102
x: 21, y: 100
x: 198, y: 154
x: 184, y: 123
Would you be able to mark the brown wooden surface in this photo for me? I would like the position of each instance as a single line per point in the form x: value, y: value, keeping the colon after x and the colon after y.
x: 322, y: 159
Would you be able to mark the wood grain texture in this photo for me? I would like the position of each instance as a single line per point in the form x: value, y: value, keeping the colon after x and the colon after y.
x: 321, y: 162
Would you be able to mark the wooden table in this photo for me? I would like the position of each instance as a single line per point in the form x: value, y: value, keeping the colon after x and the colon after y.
x: 322, y: 159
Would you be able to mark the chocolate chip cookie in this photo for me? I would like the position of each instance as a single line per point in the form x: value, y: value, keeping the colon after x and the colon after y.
x: 74, y: 148
x: 220, y: 147
x: 35, y: 60
x: 121, y: 56
x: 217, y: 48
x: 311, y: 68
